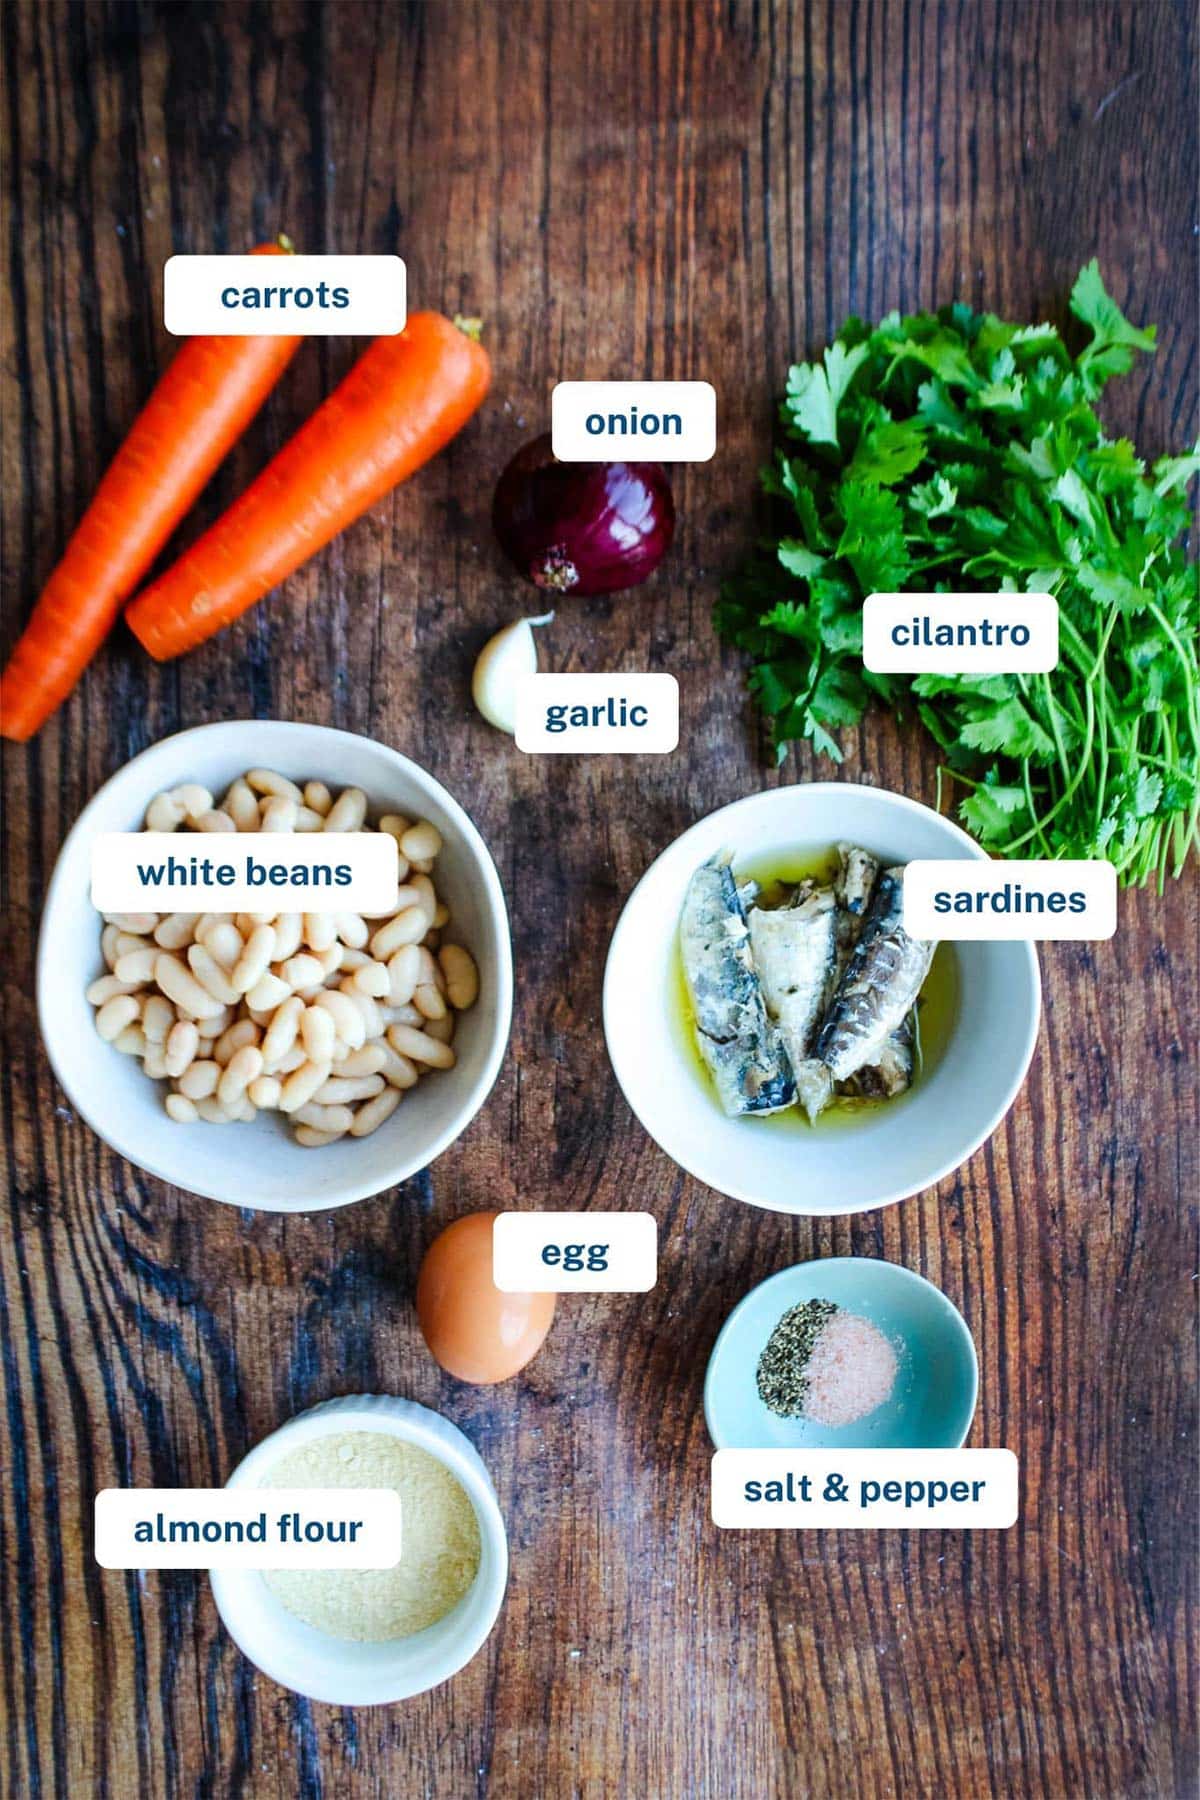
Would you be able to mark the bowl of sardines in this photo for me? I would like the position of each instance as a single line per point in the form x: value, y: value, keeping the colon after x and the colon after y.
x: 778, y: 1032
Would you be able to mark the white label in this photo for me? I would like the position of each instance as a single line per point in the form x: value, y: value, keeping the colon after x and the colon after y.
x: 284, y: 296
x: 965, y: 901
x: 633, y: 421
x: 575, y: 1253
x: 960, y: 634
x: 244, y: 871
x: 580, y: 715
x: 248, y: 1528
x: 856, y: 1490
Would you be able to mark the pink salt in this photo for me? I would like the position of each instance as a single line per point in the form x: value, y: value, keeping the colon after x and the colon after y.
x: 851, y: 1371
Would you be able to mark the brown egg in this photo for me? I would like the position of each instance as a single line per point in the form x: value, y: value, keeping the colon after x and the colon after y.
x: 474, y: 1331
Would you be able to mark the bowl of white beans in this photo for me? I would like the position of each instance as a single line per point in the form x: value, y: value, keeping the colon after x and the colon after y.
x: 291, y: 1061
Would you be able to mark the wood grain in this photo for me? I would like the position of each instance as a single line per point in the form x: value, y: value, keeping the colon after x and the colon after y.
x: 618, y: 190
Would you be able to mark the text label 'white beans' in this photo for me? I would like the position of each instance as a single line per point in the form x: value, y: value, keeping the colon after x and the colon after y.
x: 250, y: 871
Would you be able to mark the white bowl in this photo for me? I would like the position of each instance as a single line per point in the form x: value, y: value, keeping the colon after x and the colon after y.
x: 884, y: 1153
x: 258, y: 1164
x: 337, y: 1670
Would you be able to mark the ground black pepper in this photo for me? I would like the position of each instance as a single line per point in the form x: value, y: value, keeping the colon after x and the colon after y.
x: 783, y: 1365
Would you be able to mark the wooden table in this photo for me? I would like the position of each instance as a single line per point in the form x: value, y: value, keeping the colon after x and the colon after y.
x: 617, y: 190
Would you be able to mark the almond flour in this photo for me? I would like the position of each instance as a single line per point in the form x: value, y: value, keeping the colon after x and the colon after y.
x: 439, y: 1535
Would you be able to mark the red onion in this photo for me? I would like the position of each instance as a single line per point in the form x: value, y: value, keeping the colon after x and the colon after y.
x: 582, y: 528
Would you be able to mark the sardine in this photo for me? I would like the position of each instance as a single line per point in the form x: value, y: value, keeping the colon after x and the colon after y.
x: 892, y: 1071
x: 879, y: 987
x: 793, y: 951
x: 855, y: 880
x: 749, y: 1063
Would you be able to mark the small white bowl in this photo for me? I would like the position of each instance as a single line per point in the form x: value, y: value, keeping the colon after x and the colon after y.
x: 336, y: 1670
x: 258, y: 1164
x: 883, y: 1154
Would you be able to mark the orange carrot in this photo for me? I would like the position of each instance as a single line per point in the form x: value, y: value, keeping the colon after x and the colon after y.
x: 404, y: 398
x: 201, y: 406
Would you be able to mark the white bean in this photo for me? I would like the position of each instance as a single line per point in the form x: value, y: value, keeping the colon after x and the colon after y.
x: 370, y: 1117
x: 131, y: 1041
x: 408, y: 927
x: 315, y: 1140
x: 278, y: 814
x: 318, y: 1031
x: 302, y: 971
x: 267, y: 994
x: 404, y: 971
x: 269, y: 781
x: 164, y: 814
x: 338, y: 1091
x: 220, y: 1022
x: 182, y: 1043
x: 427, y: 895
x: 346, y: 1017
x: 116, y: 1016
x: 180, y: 1108
x: 108, y: 987
x: 214, y: 821
x: 108, y: 944
x: 223, y: 941
x: 200, y: 1079
x: 137, y: 924
x: 245, y: 1066
x: 352, y: 929
x: 348, y: 811
x: 420, y: 1047
x: 398, y: 1071
x: 241, y: 806
x: 194, y: 800
x: 462, y: 977
x: 255, y: 960
x: 158, y: 1016
x: 337, y: 1119
x: 243, y: 1032
x: 288, y: 929
x: 318, y: 797
x: 319, y: 930
x: 372, y: 979
x: 176, y: 930
x: 211, y: 975
x: 421, y: 842
x: 264, y: 1091
x: 213, y: 1113
x: 154, y: 1062
x: 367, y: 1061
x: 180, y: 985
x: 302, y: 1084
x: 281, y: 1032
x: 429, y: 1003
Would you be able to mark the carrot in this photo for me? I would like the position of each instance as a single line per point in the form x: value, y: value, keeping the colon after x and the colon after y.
x: 404, y: 398
x: 201, y: 406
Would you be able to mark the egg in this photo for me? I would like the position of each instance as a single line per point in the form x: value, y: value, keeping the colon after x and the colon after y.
x: 473, y: 1330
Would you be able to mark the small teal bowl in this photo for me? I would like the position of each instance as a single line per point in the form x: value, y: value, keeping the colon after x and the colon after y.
x: 937, y: 1381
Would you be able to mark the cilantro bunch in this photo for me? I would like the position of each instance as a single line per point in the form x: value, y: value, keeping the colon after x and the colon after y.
x: 955, y: 452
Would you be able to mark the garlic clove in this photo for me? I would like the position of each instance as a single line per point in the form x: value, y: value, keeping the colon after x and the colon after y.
x: 498, y: 668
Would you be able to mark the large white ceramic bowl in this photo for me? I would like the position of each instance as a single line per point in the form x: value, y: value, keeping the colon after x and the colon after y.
x: 258, y: 1165
x: 337, y: 1670
x: 885, y: 1153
